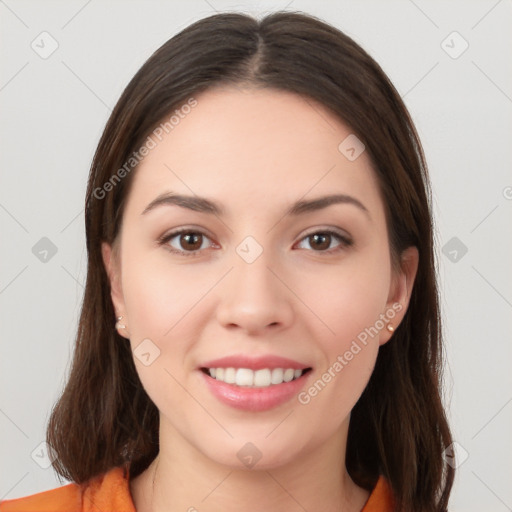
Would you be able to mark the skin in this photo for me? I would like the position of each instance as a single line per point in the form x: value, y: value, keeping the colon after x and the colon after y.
x: 255, y: 152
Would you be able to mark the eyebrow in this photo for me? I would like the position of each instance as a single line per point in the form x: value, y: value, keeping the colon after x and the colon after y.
x: 203, y: 205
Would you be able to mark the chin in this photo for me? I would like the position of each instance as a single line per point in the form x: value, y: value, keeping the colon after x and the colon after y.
x: 242, y: 453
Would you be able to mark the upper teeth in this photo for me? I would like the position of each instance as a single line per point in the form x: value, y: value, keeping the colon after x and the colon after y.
x: 257, y: 378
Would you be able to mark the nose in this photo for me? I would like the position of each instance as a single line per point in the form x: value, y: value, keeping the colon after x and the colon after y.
x: 254, y: 299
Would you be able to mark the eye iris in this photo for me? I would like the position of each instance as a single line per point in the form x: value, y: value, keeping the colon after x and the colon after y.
x: 321, y: 241
x: 193, y: 241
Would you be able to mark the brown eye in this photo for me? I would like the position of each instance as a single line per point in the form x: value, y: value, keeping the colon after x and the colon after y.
x: 191, y: 241
x: 320, y: 241
x: 186, y: 242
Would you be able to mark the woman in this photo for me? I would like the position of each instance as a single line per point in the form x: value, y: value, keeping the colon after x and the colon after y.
x: 259, y: 231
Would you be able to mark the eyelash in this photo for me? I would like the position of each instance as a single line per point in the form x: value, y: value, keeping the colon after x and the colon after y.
x: 164, y: 239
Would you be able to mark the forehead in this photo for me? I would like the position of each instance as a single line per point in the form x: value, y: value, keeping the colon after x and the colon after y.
x: 258, y: 148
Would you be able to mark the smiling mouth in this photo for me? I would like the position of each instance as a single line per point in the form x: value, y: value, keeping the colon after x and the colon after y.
x: 263, y: 378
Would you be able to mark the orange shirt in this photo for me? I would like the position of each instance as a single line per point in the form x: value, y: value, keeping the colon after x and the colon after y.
x: 111, y: 493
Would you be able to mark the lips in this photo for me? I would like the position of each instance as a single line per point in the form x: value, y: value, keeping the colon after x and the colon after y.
x: 254, y: 383
x: 254, y: 363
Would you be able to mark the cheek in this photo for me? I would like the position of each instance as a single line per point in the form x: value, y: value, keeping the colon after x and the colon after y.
x: 158, y: 300
x: 158, y: 294
x: 350, y: 308
x: 349, y: 298
x: 349, y: 303
x: 164, y: 304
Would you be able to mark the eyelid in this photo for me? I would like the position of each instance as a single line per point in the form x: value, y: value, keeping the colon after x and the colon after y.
x: 330, y: 230
x: 185, y: 229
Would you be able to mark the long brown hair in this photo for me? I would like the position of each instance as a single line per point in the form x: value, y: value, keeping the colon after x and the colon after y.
x: 398, y: 428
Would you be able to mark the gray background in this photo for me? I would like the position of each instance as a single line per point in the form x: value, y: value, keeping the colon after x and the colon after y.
x: 53, y: 110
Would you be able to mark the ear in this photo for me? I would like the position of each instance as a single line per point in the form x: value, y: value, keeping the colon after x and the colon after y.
x: 400, y: 292
x: 113, y: 269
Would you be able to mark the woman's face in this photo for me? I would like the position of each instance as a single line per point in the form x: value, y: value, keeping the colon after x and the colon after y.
x: 267, y: 268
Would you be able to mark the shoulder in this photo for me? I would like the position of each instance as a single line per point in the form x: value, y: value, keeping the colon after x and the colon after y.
x: 62, y: 498
x: 381, y: 498
x: 109, y: 491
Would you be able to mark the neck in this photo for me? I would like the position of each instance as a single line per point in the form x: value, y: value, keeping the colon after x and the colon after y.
x: 183, y: 479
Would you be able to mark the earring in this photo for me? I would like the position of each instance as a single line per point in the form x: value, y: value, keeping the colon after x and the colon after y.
x: 119, y: 325
x: 390, y: 328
